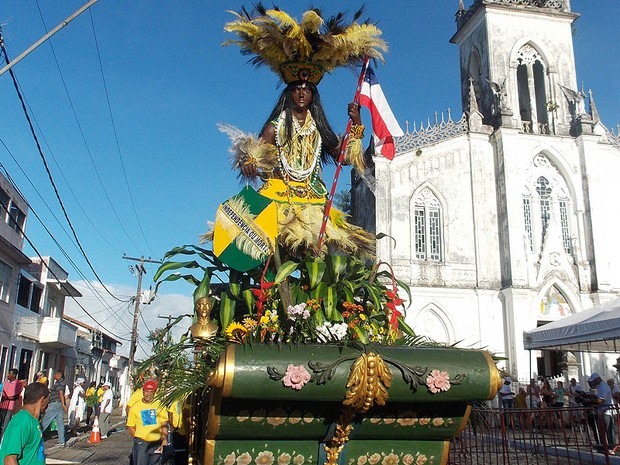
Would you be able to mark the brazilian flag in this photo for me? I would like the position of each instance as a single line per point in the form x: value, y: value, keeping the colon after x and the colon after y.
x: 245, y: 230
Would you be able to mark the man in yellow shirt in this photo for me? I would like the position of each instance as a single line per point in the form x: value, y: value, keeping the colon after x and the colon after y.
x: 147, y: 423
x: 178, y: 414
x: 135, y: 397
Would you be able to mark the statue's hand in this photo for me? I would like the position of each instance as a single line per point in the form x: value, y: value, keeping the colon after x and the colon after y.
x: 248, y: 169
x: 353, y: 110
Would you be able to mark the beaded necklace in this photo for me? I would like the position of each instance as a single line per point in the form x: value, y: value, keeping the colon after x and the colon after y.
x: 299, y: 156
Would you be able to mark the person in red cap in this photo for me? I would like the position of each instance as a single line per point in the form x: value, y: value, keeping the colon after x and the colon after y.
x: 147, y: 423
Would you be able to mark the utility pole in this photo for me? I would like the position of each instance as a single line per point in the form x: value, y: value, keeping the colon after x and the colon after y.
x: 139, y: 268
x: 47, y: 36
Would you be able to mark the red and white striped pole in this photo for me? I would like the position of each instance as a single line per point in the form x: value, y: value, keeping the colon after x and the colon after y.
x: 343, y: 148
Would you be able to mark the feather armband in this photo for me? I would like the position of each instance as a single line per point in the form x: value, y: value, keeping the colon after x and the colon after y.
x: 354, y: 155
x: 249, y: 149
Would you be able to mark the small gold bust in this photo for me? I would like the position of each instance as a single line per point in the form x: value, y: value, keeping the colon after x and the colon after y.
x: 204, y: 328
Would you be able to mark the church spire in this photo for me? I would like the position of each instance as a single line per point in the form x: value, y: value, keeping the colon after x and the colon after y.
x: 473, y: 103
x: 460, y: 15
x: 593, y: 110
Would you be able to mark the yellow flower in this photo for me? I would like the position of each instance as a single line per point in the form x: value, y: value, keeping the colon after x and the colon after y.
x: 236, y: 331
x: 250, y: 323
x: 362, y: 317
x: 264, y: 320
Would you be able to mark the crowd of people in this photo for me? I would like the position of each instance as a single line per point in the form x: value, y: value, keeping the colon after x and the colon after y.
x: 594, y: 409
x: 54, y: 406
x: 26, y: 412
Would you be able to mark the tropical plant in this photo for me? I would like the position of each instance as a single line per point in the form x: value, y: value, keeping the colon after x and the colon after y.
x: 338, y: 298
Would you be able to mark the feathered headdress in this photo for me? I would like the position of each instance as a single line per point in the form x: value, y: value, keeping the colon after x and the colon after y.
x: 304, y: 51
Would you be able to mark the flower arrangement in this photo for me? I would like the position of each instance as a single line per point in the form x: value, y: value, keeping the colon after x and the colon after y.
x: 338, y: 298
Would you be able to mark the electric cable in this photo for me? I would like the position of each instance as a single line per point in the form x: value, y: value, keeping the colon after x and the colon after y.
x: 118, y: 145
x: 54, y: 239
x: 49, y: 174
x: 90, y: 155
x: 60, y: 283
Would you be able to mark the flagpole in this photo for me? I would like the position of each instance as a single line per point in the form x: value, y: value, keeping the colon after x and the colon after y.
x: 343, y: 148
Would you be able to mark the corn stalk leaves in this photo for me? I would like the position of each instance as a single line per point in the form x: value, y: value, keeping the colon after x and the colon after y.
x: 285, y: 271
x: 171, y: 266
x: 176, y: 276
x: 316, y: 270
x: 330, y: 300
x: 338, y: 265
x: 227, y: 310
x: 248, y: 298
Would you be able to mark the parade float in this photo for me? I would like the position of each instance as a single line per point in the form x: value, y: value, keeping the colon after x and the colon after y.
x: 300, y: 353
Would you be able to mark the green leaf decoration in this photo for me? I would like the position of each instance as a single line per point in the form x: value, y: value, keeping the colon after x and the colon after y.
x: 316, y: 270
x: 203, y: 288
x: 170, y: 266
x: 361, y: 335
x: 227, y: 310
x: 338, y: 265
x: 235, y: 288
x: 248, y: 297
x: 285, y: 271
x: 330, y: 304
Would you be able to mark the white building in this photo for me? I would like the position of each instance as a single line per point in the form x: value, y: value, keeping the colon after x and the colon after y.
x: 96, y: 357
x: 503, y: 220
x: 13, y: 211
x: 42, y: 338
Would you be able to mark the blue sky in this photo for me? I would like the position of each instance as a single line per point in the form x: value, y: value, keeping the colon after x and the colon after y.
x: 168, y: 83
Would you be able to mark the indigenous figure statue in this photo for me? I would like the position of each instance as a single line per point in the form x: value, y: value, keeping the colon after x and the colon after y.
x: 296, y: 139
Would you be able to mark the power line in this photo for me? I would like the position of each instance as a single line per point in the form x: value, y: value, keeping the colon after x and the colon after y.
x: 139, y: 268
x: 60, y: 283
x: 60, y: 247
x: 90, y: 155
x: 118, y: 145
x: 49, y: 174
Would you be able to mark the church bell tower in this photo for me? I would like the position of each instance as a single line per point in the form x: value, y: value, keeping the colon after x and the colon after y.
x: 519, y: 59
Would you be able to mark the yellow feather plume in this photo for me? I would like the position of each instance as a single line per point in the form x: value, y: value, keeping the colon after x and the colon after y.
x: 276, y: 37
x: 311, y: 22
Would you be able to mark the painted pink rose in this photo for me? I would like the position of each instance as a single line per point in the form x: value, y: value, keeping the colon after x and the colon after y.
x: 296, y: 377
x: 438, y: 381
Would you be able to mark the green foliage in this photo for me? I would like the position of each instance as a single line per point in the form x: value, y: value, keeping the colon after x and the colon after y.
x: 335, y: 298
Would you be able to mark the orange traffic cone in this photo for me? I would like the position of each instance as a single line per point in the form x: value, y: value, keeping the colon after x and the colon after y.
x: 95, y: 435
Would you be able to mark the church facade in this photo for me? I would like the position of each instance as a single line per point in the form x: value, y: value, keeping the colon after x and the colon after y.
x: 504, y: 219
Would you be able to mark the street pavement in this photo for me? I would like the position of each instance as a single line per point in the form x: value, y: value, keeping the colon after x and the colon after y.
x: 114, y: 450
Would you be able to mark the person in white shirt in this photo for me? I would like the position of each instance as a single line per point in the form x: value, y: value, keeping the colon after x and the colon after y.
x: 507, y: 398
x: 77, y: 405
x: 106, y: 409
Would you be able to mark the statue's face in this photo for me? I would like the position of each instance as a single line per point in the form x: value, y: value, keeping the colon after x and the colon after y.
x: 302, y: 96
x: 202, y: 306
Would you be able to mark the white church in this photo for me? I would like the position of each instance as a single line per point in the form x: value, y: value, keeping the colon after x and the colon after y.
x: 505, y: 219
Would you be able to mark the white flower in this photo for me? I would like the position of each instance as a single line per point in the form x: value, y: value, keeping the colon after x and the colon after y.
x: 293, y: 312
x: 328, y: 332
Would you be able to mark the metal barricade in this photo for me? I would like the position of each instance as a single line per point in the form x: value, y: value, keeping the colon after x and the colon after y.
x: 537, y: 436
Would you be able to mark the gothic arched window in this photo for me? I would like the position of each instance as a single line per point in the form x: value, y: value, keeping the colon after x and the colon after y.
x: 532, y: 91
x: 546, y: 200
x: 427, y: 227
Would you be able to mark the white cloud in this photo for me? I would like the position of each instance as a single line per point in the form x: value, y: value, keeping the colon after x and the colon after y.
x: 102, y: 311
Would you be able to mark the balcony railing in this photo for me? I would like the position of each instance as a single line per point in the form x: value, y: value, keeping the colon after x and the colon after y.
x: 57, y: 333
